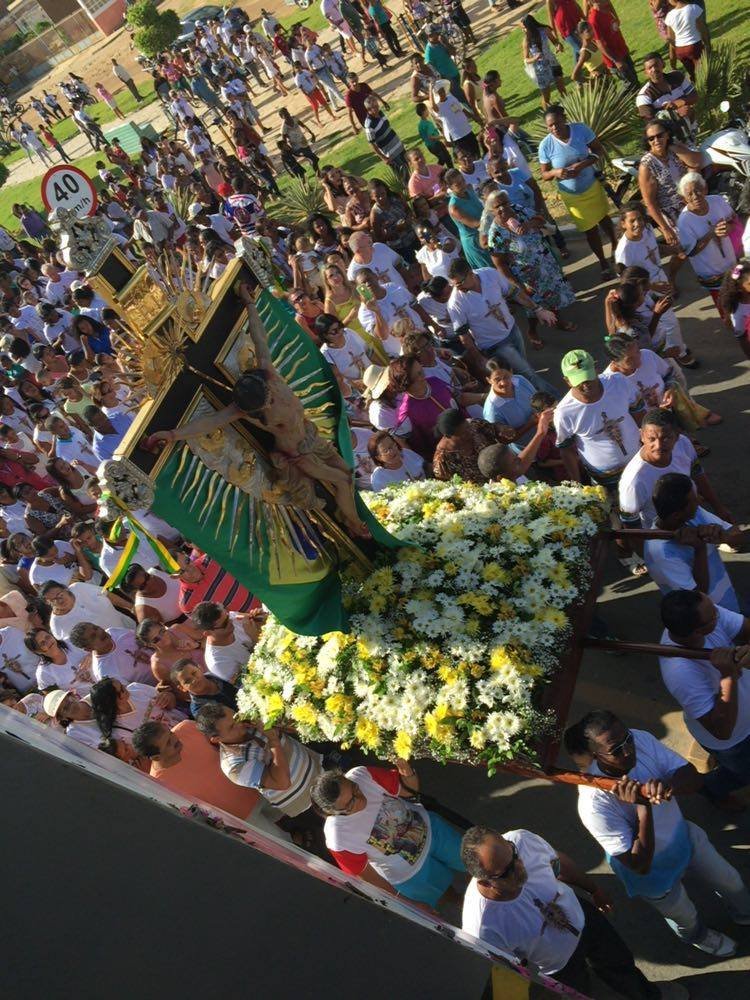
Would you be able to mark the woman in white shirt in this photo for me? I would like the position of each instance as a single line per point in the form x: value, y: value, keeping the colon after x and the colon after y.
x: 344, y: 350
x: 703, y: 231
x: 119, y: 709
x: 657, y: 383
x: 437, y: 252
x: 393, y: 463
x: 59, y: 665
x: 687, y: 34
x: 383, y: 401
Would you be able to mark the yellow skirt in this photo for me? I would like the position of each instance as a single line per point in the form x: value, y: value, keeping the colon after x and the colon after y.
x: 588, y: 208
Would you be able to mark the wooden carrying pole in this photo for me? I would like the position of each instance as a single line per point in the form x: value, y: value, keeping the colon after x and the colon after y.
x: 562, y: 777
x: 650, y: 648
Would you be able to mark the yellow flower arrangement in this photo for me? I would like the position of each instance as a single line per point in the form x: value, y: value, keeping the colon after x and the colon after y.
x: 450, y: 636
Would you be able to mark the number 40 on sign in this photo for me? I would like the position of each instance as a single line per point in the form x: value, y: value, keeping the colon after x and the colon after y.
x: 68, y: 187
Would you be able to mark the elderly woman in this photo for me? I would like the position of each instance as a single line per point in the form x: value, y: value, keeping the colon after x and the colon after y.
x: 393, y: 463
x: 661, y: 169
x: 465, y: 208
x: 522, y: 254
x: 568, y: 156
x: 703, y: 231
x: 460, y: 443
x: 423, y: 400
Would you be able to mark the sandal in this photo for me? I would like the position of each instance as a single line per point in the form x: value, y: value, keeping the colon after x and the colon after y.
x: 566, y: 326
x: 564, y: 253
x: 713, y: 419
x: 607, y: 273
x: 687, y: 360
x: 701, y: 450
x: 536, y: 343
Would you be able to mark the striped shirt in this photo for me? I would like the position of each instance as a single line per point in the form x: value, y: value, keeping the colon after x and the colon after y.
x: 379, y: 132
x: 218, y: 586
x: 246, y: 763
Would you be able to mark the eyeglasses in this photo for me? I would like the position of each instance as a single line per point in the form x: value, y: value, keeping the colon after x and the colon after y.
x: 508, y: 868
x: 620, y: 749
x: 656, y: 135
x: 347, y: 808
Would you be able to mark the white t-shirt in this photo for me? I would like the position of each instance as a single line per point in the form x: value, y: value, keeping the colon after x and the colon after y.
x: 168, y: 605
x: 227, y: 661
x: 384, y: 263
x: 29, y: 319
x: 437, y: 311
x: 453, y: 118
x: 110, y: 556
x: 718, y: 256
x: 16, y: 661
x: 682, y: 21
x: 486, y: 312
x: 478, y: 176
x: 351, y: 359
x: 614, y: 824
x: 695, y: 684
x: 642, y: 253
x: 127, y: 662
x: 394, y: 834
x: 518, y: 926
x: 222, y: 226
x: 53, y: 330
x: 396, y: 304
x: 437, y: 263
x: 604, y: 432
x: 74, y: 447
x: 73, y: 675
x: 639, y: 478
x: 412, y: 467
x: 39, y: 574
x: 91, y: 606
x: 648, y: 378
x: 385, y: 418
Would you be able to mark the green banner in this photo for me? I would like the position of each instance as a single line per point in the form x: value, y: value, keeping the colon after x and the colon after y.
x: 250, y: 538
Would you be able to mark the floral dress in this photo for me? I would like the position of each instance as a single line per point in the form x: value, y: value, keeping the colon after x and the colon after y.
x: 532, y: 264
x: 667, y: 176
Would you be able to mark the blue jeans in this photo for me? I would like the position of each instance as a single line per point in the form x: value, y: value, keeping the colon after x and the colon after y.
x: 732, y: 773
x: 575, y: 43
x: 513, y: 352
x: 439, y: 867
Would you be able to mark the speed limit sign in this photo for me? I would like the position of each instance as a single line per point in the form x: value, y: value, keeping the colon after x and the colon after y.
x: 68, y: 187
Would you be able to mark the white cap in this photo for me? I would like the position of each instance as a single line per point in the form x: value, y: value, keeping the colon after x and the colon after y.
x: 195, y: 209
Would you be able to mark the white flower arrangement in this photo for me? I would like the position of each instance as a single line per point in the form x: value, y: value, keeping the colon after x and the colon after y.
x: 451, y: 635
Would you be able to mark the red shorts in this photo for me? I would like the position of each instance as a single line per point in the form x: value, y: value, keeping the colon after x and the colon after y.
x: 689, y: 53
x: 317, y: 99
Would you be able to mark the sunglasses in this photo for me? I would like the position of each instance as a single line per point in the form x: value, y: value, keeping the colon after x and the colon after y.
x: 656, y: 135
x: 621, y: 748
x: 508, y: 868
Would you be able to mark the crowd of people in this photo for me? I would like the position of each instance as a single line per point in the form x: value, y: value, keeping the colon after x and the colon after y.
x: 426, y: 293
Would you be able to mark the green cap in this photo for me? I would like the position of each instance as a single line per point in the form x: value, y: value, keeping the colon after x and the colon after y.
x: 578, y: 366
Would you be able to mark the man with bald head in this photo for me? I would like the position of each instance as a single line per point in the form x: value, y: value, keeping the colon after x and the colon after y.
x: 521, y: 900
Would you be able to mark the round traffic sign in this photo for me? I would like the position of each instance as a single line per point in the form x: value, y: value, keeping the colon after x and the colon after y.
x: 68, y: 187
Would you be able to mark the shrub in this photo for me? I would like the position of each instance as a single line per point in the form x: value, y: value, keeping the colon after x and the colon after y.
x: 154, y: 38
x: 142, y: 14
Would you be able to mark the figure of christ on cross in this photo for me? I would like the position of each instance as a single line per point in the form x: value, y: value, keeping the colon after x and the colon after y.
x: 610, y: 427
x: 299, y: 456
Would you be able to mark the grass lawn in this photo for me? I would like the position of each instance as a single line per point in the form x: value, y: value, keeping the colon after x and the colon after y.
x: 100, y: 111
x: 522, y: 98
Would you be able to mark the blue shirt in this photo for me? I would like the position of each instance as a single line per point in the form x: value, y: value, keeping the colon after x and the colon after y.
x: 563, y: 154
x: 518, y: 190
x: 103, y: 445
x: 671, y: 565
x: 514, y: 411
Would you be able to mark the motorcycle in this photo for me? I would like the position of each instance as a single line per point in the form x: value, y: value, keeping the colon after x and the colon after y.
x: 726, y: 168
x: 728, y: 151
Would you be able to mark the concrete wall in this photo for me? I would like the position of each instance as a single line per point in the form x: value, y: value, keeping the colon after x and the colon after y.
x: 36, y: 57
